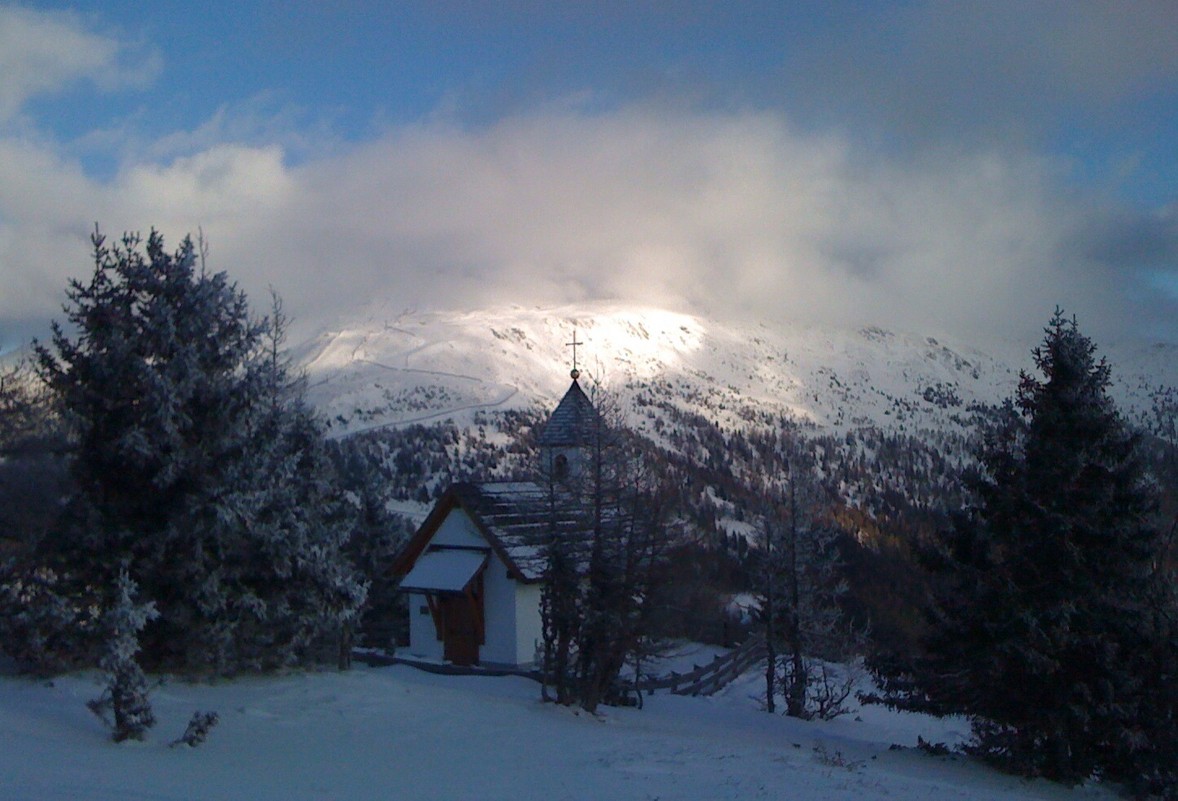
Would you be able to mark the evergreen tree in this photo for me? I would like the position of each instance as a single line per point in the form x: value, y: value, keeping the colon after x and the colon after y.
x: 376, y: 536
x: 1047, y: 627
x: 272, y: 584
x: 126, y: 692
x: 199, y: 466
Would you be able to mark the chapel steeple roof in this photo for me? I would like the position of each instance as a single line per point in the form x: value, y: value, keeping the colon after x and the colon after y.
x: 572, y: 422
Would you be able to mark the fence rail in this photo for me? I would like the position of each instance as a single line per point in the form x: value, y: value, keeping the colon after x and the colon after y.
x: 710, y: 678
x: 702, y: 680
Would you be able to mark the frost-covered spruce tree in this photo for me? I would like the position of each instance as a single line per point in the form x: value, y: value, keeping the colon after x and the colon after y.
x: 1047, y: 628
x: 274, y: 585
x: 198, y: 464
x: 150, y: 388
x: 280, y: 590
x: 125, y: 696
x: 375, y: 538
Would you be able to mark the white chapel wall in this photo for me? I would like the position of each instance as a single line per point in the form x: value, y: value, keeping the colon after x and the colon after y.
x: 512, y: 610
x: 458, y: 530
x: 423, y: 635
x: 499, y: 606
x: 529, y: 631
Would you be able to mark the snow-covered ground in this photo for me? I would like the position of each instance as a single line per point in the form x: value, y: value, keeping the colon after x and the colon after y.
x: 395, y: 732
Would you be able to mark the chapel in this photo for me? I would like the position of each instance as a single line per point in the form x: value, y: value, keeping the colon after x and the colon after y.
x: 473, y: 571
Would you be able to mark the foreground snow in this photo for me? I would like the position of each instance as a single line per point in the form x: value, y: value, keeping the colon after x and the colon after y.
x: 395, y: 732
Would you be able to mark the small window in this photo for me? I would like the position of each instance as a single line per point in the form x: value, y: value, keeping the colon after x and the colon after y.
x: 423, y: 610
x: 560, y: 467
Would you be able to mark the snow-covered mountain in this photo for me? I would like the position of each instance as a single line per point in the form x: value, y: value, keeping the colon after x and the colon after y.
x: 392, y: 368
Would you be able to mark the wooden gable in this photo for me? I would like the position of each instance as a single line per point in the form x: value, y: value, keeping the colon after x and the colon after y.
x: 451, y: 502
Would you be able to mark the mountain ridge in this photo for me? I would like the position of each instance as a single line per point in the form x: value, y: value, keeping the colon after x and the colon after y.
x: 395, y: 368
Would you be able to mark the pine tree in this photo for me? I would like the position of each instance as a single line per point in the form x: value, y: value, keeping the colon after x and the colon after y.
x: 374, y: 540
x: 273, y: 585
x: 153, y: 384
x: 126, y: 692
x: 198, y: 464
x: 1046, y: 627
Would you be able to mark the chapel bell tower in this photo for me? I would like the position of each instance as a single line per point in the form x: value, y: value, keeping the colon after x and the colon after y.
x: 569, y: 431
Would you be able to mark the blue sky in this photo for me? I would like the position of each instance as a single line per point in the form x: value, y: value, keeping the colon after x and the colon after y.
x: 955, y: 168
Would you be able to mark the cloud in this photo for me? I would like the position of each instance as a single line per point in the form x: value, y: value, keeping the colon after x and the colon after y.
x: 49, y: 206
x: 731, y: 214
x: 44, y: 52
x: 734, y: 212
x: 996, y: 72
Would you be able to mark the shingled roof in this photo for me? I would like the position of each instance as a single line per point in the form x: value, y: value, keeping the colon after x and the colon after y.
x: 572, y: 422
x: 513, y: 516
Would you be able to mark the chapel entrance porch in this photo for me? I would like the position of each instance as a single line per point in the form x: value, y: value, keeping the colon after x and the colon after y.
x: 452, y: 581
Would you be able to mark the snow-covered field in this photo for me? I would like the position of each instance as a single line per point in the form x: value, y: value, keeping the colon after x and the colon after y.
x: 397, y: 733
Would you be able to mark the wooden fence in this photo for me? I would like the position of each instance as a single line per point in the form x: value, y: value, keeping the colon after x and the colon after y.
x: 702, y: 680
x: 710, y: 678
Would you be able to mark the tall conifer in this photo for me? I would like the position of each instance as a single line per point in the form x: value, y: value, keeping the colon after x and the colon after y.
x: 1046, y: 609
x: 200, y: 468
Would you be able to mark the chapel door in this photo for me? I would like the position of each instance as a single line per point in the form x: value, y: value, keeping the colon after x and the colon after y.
x: 463, y: 629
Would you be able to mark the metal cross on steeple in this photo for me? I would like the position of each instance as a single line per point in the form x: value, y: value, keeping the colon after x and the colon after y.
x: 575, y: 373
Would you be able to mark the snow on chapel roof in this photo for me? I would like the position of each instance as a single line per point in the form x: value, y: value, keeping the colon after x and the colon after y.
x: 514, y: 517
x: 572, y: 421
x: 445, y: 571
